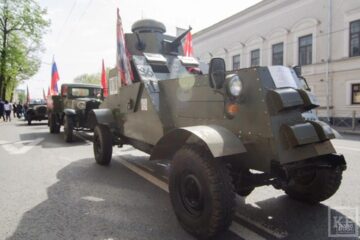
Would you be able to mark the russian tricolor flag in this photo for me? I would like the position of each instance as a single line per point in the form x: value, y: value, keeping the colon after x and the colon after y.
x: 54, y: 79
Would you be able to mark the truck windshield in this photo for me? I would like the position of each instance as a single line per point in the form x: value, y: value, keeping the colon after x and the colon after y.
x: 85, y: 92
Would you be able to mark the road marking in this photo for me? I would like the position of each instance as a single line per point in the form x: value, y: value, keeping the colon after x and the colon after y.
x: 348, y: 148
x: 274, y: 232
x: 93, y: 199
x: 145, y: 175
x: 238, y: 229
x: 244, y: 232
x: 20, y: 147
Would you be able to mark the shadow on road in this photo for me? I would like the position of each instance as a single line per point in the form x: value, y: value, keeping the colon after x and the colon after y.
x: 53, y: 140
x: 94, y: 202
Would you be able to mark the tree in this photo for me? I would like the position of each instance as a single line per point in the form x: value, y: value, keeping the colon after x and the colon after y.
x: 22, y: 25
x: 93, y: 78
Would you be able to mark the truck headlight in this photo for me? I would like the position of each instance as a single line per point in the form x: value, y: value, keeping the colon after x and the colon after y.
x: 81, y: 105
x: 234, y: 85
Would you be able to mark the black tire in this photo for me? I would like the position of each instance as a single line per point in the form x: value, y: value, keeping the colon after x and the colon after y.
x: 51, y: 123
x: 102, y: 145
x: 201, y: 192
x: 29, y: 120
x: 316, y: 186
x: 68, y: 129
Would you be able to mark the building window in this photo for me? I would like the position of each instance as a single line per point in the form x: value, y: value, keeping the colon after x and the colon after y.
x: 355, y: 93
x: 355, y: 38
x: 236, y: 62
x: 305, y: 50
x: 278, y: 54
x: 255, y: 58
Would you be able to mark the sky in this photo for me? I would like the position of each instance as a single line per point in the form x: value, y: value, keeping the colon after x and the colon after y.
x: 83, y: 32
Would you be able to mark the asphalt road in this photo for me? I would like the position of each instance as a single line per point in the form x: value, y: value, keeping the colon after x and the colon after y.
x: 53, y: 190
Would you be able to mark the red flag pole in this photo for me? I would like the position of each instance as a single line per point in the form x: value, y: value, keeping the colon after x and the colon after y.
x: 103, y: 80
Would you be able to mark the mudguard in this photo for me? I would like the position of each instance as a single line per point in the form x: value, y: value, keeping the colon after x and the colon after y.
x: 69, y: 112
x: 220, y: 141
x: 101, y: 116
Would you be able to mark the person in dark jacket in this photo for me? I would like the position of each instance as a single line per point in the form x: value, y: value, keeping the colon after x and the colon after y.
x: 2, y: 110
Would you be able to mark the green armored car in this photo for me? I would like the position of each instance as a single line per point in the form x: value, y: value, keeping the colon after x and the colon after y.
x: 72, y: 107
x: 215, y: 128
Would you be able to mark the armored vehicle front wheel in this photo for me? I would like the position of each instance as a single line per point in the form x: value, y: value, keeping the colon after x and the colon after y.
x: 68, y: 129
x: 201, y: 192
x: 102, y: 145
x: 316, y: 185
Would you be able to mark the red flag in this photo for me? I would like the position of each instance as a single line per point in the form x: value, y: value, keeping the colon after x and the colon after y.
x: 188, y: 48
x: 122, y: 57
x: 103, y: 79
x: 27, y: 95
x: 54, y: 79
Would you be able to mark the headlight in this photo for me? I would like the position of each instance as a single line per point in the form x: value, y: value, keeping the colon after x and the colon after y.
x: 81, y: 105
x: 234, y: 85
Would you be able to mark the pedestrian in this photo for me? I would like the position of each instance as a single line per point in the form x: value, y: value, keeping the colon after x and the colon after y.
x: 14, y: 109
x: 2, y: 110
x: 19, y: 109
x: 7, y: 108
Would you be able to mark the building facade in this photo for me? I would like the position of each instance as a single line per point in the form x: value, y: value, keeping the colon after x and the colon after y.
x: 323, y: 36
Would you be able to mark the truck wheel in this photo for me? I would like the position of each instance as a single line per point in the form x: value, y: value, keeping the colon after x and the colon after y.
x: 314, y: 186
x: 51, y: 123
x: 201, y: 192
x: 29, y: 120
x: 68, y: 129
x: 102, y: 145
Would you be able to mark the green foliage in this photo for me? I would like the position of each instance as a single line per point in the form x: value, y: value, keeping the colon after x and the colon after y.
x: 22, y: 25
x: 88, y: 78
x: 93, y: 78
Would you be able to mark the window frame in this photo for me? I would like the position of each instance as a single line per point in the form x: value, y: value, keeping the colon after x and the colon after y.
x: 307, y: 47
x: 258, y: 58
x: 236, y: 56
x: 352, y: 93
x: 350, y: 38
x: 273, y: 54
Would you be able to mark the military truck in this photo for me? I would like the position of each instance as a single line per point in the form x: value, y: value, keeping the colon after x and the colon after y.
x: 36, y: 111
x: 71, y: 108
x: 215, y: 129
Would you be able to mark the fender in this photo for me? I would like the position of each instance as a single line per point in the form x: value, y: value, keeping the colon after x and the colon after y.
x: 101, y: 116
x: 69, y: 112
x: 220, y: 141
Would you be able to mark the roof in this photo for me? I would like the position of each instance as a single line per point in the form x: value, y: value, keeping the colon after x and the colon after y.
x: 81, y: 85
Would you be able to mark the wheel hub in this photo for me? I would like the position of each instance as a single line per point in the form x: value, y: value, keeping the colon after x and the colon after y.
x: 191, y: 194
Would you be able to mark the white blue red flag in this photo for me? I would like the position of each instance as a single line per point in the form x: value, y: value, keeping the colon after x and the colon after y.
x: 122, y: 57
x: 54, y: 79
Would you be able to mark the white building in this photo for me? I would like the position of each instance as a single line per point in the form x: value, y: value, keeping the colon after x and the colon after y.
x: 323, y: 36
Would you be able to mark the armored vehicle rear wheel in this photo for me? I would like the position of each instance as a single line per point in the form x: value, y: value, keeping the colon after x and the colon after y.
x: 102, y: 145
x: 68, y: 129
x: 314, y: 186
x: 201, y: 192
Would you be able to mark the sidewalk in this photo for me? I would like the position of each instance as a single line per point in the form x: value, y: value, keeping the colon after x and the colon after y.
x: 347, y: 130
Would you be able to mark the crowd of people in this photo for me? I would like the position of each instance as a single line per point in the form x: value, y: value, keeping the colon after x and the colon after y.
x: 7, y: 107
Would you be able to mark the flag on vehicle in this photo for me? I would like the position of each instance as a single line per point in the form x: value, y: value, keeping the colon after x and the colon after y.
x: 54, y: 79
x: 188, y: 48
x: 122, y: 57
x: 27, y: 95
x: 104, y: 84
